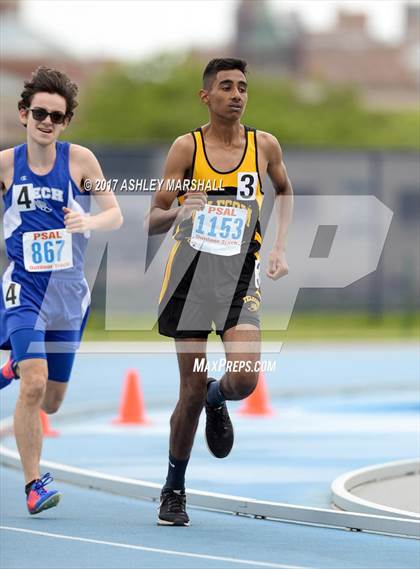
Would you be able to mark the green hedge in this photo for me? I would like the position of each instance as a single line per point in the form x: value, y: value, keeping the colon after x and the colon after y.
x: 157, y: 101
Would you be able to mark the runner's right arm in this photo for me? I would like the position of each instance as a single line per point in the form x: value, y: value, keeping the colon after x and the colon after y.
x: 6, y: 169
x: 162, y: 216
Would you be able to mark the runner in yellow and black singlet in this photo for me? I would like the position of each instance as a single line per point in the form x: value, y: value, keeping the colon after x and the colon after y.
x: 221, y: 241
x: 212, y: 274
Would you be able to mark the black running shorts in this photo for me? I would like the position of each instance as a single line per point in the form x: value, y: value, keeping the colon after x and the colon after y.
x: 201, y: 289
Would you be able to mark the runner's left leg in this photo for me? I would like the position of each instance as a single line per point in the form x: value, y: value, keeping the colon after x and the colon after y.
x: 54, y: 396
x: 243, y: 349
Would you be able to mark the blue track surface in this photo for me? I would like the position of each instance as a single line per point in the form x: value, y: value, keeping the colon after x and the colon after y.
x: 330, y: 417
x: 98, y: 516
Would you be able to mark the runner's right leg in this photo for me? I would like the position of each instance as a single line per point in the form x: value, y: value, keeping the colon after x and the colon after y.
x: 192, y: 397
x: 33, y: 371
x: 27, y: 421
x: 184, y: 422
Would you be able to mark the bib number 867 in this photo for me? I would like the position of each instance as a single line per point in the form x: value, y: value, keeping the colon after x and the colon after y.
x: 47, y: 251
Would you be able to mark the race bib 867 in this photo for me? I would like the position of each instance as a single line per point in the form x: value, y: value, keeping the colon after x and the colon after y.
x: 49, y: 250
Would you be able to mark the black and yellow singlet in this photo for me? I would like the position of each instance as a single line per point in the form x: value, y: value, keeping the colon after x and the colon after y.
x: 237, y: 188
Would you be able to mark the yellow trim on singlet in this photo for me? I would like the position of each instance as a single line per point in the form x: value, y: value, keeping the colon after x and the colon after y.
x: 168, y: 270
x: 203, y: 170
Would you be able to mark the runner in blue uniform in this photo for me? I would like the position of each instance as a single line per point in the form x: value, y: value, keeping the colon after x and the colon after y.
x: 45, y: 298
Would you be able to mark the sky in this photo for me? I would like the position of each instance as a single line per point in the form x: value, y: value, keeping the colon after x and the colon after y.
x: 137, y: 29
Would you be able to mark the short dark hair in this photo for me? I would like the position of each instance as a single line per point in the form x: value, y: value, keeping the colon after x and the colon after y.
x: 48, y: 80
x: 222, y: 64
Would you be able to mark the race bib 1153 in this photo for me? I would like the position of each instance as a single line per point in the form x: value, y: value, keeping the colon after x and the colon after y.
x: 219, y: 230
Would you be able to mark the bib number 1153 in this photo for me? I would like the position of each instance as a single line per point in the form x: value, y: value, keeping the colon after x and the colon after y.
x: 229, y: 228
x: 219, y: 230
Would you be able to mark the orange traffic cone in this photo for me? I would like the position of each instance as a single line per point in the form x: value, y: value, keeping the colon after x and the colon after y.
x: 257, y: 403
x: 132, y: 408
x: 46, y: 427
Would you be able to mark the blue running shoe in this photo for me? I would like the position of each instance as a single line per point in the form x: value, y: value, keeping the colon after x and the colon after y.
x: 8, y: 371
x: 39, y: 499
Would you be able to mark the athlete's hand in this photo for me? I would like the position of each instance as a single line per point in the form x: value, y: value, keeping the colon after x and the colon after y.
x: 194, y: 201
x: 76, y: 222
x: 277, y: 265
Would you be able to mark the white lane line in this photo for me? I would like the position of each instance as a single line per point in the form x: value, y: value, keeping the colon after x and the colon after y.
x: 155, y: 550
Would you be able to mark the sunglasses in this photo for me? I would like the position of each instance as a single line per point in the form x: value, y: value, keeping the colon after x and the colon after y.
x: 40, y: 114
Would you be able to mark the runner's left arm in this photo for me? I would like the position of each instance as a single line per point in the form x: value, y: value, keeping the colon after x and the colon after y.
x: 88, y: 170
x: 276, y: 169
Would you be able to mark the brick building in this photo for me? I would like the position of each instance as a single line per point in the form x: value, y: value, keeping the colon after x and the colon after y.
x: 386, y: 75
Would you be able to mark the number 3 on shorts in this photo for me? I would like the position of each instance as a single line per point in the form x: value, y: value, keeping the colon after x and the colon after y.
x: 11, y: 294
x: 247, y: 186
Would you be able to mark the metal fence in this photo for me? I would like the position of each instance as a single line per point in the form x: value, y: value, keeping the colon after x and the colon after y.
x: 340, y: 251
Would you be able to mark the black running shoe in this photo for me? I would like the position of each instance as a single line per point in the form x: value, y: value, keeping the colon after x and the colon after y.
x: 172, y: 509
x: 219, y: 431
